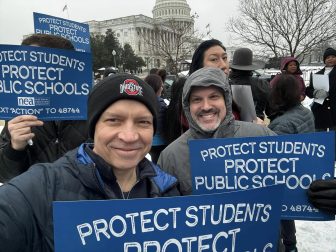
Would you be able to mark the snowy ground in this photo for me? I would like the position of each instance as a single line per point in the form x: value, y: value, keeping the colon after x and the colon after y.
x: 313, y: 236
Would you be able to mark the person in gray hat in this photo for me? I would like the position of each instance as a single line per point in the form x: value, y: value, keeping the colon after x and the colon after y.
x: 241, y: 74
x: 122, y: 119
x: 206, y: 102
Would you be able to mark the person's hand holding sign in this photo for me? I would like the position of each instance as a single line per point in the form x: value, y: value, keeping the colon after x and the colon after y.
x: 20, y: 130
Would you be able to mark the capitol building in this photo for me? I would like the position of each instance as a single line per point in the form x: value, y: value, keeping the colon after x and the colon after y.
x: 140, y: 30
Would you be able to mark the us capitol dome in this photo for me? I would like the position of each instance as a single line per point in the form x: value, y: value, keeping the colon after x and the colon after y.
x: 137, y: 30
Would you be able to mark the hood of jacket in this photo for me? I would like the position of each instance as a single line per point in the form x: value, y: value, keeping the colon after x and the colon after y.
x: 206, y: 77
x: 286, y: 60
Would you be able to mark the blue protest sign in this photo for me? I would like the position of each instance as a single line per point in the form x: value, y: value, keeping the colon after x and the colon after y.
x: 230, y: 164
x: 77, y: 33
x: 52, y: 84
x: 238, y: 221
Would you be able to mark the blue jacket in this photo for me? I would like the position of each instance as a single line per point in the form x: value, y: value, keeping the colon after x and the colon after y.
x: 26, y: 201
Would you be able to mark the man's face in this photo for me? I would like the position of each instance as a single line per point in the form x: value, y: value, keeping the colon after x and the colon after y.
x: 123, y: 134
x: 207, y: 107
x: 216, y: 57
x: 330, y: 61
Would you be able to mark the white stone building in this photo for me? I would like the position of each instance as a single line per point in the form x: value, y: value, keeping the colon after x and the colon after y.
x: 137, y: 30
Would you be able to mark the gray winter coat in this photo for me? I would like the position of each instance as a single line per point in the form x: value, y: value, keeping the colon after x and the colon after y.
x: 175, y: 158
x: 294, y: 121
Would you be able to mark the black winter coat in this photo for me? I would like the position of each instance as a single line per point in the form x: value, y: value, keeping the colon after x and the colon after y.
x: 161, y: 115
x: 325, y: 114
x: 51, y: 141
x: 26, y: 222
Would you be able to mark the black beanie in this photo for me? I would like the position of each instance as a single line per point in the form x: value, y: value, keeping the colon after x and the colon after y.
x: 329, y: 51
x: 117, y: 87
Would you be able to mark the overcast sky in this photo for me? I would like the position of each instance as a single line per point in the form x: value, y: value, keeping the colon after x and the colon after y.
x: 16, y: 16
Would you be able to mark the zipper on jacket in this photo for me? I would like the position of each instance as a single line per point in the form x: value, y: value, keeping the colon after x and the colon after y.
x: 99, y: 181
x: 56, y: 142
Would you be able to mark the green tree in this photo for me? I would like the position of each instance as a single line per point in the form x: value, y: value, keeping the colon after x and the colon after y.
x: 273, y: 63
x: 97, y: 51
x: 111, y: 43
x: 102, y: 47
x: 140, y: 62
x: 129, y: 60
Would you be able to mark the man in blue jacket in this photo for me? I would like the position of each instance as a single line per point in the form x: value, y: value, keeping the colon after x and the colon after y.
x: 122, y: 119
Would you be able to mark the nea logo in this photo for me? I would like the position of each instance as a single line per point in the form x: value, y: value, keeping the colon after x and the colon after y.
x: 26, y: 101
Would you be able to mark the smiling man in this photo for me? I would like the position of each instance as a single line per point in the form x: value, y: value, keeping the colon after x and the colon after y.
x: 122, y: 119
x: 207, y: 107
x: 207, y: 104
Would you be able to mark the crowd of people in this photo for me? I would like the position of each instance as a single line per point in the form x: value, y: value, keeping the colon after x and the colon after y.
x: 105, y: 156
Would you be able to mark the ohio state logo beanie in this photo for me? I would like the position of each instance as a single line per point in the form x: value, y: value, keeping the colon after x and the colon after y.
x: 117, y: 87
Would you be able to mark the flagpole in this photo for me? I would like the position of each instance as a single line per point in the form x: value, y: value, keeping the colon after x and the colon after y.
x: 67, y: 9
x: 208, y: 29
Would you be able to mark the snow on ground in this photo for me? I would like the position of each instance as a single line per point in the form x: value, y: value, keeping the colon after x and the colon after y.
x: 316, y: 236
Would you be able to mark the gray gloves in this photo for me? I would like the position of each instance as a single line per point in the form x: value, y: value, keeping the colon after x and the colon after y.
x: 320, y: 94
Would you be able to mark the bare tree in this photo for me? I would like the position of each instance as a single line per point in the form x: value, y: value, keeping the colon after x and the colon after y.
x: 292, y: 27
x: 172, y: 40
